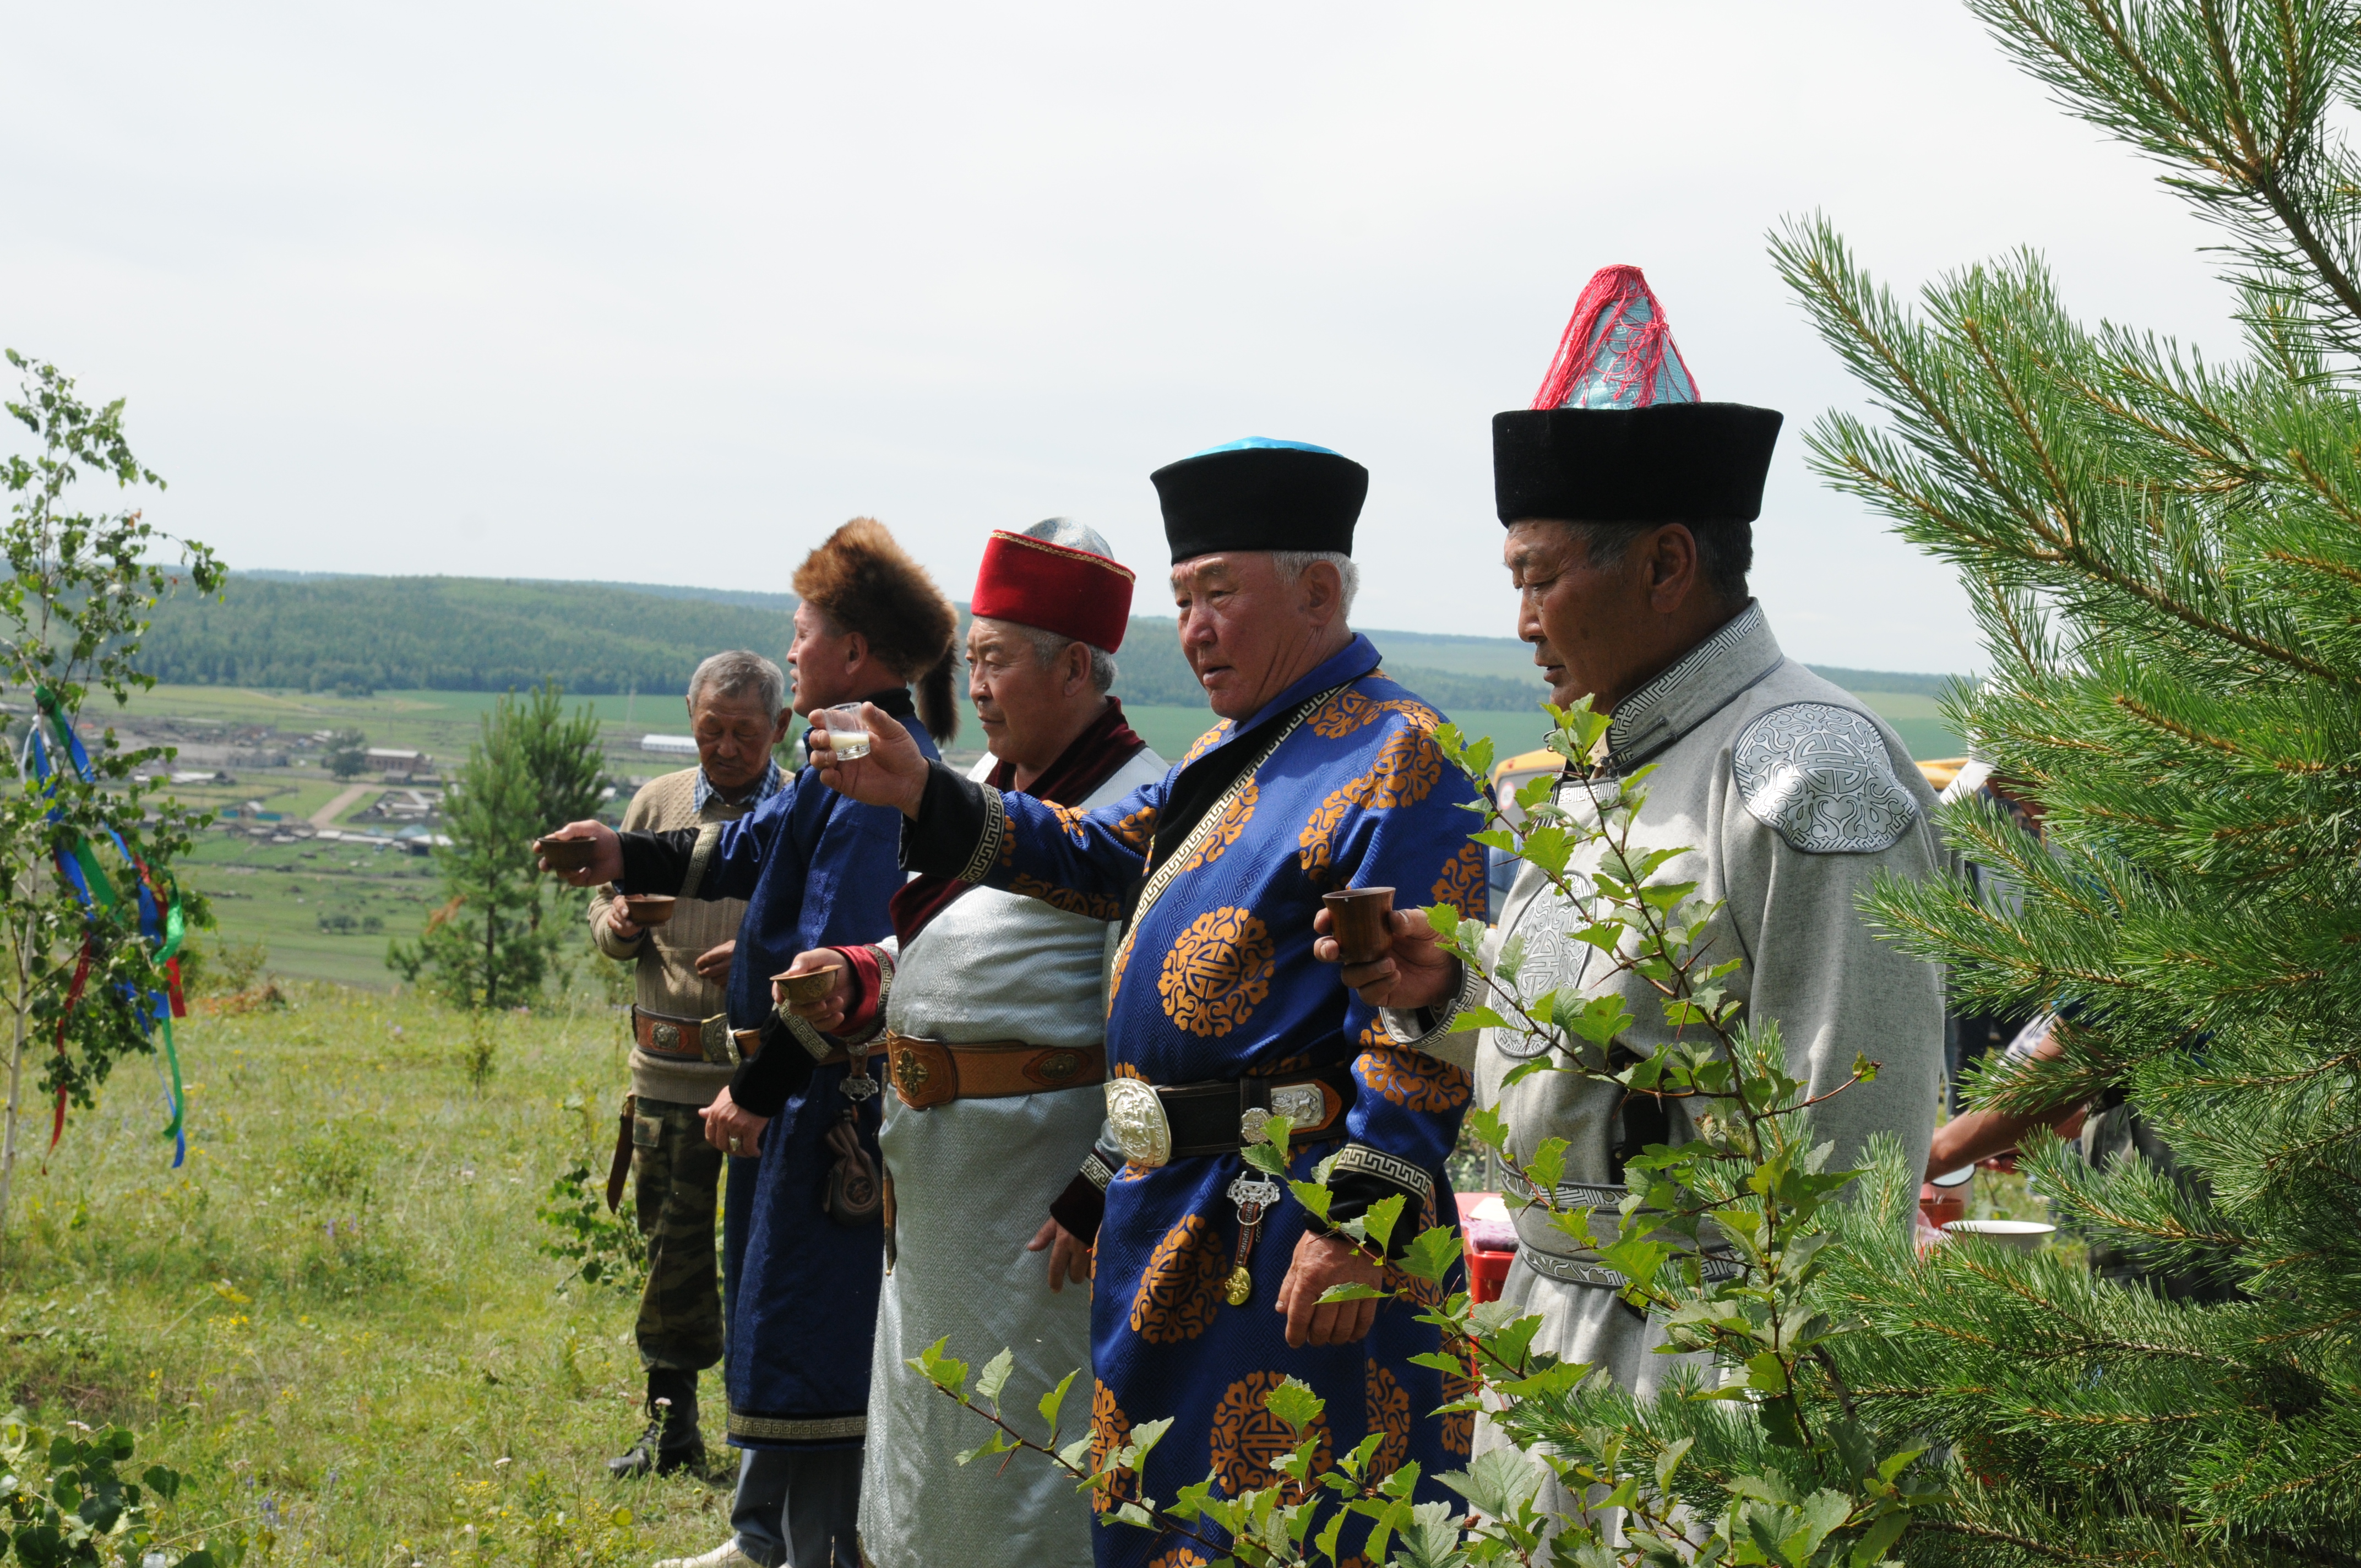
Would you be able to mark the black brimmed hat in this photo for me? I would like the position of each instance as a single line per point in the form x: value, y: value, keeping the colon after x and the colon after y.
x: 1617, y: 434
x: 1260, y: 494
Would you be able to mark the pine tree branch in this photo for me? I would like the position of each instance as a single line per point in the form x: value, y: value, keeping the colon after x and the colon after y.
x: 2022, y: 1542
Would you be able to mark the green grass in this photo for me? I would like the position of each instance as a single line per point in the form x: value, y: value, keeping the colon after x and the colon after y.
x: 414, y: 1387
x: 276, y: 893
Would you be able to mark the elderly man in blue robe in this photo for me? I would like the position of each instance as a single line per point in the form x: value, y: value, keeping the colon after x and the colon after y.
x: 803, y: 1245
x: 1321, y: 775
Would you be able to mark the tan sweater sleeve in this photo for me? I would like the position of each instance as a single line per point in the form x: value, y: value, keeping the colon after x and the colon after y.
x: 602, y: 934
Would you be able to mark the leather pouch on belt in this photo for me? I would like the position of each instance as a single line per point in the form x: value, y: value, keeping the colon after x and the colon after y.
x: 620, y: 1165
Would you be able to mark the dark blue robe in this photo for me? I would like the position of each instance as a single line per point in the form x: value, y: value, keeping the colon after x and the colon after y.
x: 1214, y: 979
x: 815, y: 870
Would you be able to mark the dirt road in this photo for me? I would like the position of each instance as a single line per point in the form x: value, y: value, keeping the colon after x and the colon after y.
x: 326, y: 816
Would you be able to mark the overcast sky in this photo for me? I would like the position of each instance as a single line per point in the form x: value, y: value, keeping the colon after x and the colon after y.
x: 665, y: 292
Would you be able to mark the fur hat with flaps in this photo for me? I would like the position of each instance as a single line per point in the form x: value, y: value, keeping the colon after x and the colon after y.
x: 866, y: 584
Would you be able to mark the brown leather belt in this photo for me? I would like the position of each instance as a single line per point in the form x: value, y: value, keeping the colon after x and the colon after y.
x: 934, y: 1072
x: 680, y: 1039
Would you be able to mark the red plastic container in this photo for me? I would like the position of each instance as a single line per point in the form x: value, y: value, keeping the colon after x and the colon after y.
x: 1487, y: 1267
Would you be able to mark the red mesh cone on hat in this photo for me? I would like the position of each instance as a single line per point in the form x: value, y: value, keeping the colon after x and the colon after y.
x: 1618, y: 350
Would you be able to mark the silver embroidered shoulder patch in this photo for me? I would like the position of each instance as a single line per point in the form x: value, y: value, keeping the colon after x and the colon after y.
x: 1819, y: 775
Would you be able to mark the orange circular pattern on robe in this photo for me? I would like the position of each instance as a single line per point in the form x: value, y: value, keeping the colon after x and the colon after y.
x: 1458, y: 1426
x: 1407, y: 769
x: 1094, y: 905
x: 1411, y: 1079
x: 1137, y: 829
x: 1206, y: 742
x: 1462, y: 883
x: 1074, y: 821
x: 1224, y: 832
x: 1216, y: 973
x: 1249, y: 1441
x: 1388, y: 1406
x: 1349, y: 711
x: 1316, y: 845
x: 1180, y: 1289
x: 1341, y: 715
x: 1110, y: 1428
x: 1178, y: 1557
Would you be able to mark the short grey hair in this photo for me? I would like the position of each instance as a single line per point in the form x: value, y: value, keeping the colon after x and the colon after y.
x: 736, y: 670
x: 1048, y: 647
x: 1725, y: 549
x: 1293, y: 564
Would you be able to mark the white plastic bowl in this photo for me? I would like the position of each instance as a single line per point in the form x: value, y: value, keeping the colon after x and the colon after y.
x: 2019, y: 1236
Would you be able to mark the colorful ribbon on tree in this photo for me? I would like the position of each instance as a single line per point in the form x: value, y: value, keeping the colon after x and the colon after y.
x: 162, y: 922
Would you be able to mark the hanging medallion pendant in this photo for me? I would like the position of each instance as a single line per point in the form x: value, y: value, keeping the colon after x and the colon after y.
x: 1254, y: 1197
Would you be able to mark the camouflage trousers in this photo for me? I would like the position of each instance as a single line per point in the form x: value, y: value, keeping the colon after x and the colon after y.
x: 676, y: 1175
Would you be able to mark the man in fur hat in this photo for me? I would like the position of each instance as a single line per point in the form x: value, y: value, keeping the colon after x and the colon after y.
x: 803, y: 1247
x: 1322, y: 776
x: 1629, y: 506
x: 994, y: 1012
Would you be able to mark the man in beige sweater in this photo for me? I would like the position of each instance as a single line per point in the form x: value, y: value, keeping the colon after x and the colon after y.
x: 680, y: 1045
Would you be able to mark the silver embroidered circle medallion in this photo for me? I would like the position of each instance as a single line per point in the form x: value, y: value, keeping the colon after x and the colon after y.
x: 1819, y: 775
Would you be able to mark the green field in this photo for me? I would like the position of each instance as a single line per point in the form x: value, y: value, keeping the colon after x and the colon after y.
x: 335, y: 1315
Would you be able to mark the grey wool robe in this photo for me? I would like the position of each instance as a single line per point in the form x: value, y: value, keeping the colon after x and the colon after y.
x: 972, y: 1181
x: 1791, y: 796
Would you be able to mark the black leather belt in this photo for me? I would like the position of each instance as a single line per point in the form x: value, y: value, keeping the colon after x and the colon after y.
x: 1155, y: 1124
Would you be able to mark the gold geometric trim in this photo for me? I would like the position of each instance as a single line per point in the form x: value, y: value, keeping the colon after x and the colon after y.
x: 987, y: 848
x: 818, y: 1430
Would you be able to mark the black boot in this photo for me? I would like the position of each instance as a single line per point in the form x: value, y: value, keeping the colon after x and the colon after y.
x: 672, y: 1441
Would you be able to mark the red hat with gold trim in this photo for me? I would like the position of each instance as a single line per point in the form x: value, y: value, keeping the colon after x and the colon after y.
x: 1060, y: 576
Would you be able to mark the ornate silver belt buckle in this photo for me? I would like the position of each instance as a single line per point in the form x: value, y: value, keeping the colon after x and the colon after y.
x: 1302, y: 1104
x: 1136, y: 1113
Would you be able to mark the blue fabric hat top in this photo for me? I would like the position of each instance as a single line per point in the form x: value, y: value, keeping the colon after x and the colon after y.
x: 1265, y: 443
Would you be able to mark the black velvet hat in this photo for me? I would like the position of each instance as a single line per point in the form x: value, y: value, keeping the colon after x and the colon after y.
x: 1260, y: 494
x: 1666, y: 463
x: 1617, y: 434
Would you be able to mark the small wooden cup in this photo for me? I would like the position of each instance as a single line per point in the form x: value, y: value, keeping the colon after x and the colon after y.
x: 648, y: 909
x: 567, y: 854
x: 1364, y: 926
x: 810, y: 986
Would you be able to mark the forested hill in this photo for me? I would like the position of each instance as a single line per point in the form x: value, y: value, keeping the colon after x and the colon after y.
x: 360, y: 633
x: 446, y: 634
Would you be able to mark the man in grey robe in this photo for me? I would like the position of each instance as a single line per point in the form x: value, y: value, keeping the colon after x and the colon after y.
x: 1629, y: 506
x: 994, y: 1018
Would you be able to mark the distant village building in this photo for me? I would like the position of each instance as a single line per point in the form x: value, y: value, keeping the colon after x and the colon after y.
x: 407, y: 764
x: 669, y: 745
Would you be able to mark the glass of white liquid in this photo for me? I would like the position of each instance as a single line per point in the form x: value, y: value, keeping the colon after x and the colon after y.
x: 847, y: 736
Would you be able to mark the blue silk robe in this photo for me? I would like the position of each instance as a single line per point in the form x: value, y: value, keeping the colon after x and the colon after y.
x: 1214, y: 979
x: 815, y: 870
